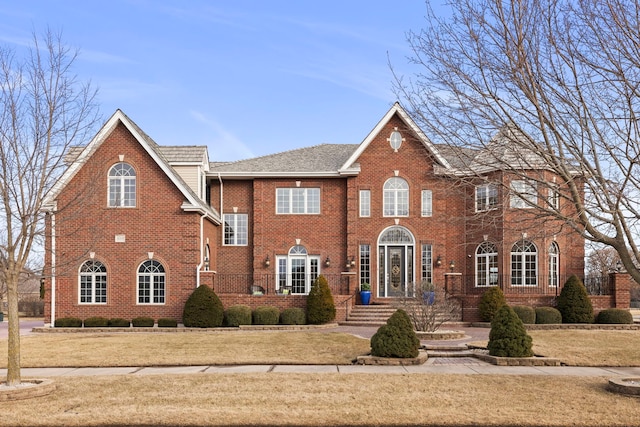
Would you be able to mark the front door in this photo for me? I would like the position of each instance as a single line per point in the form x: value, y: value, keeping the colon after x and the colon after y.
x: 396, y: 269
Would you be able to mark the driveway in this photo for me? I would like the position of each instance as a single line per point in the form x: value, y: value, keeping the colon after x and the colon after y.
x: 26, y: 326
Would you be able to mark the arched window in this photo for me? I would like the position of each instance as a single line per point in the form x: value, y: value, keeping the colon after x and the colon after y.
x: 151, y: 283
x: 396, y: 197
x: 93, y: 283
x: 487, y: 265
x: 297, y: 270
x: 122, y: 186
x: 554, y: 269
x: 524, y: 264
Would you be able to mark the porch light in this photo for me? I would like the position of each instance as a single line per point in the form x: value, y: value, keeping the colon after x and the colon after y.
x: 439, y: 261
x: 351, y: 262
x: 206, y: 263
x: 452, y: 265
x: 327, y: 262
x: 267, y: 263
x: 618, y: 266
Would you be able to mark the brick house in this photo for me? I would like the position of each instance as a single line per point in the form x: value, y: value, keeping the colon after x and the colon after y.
x: 134, y: 227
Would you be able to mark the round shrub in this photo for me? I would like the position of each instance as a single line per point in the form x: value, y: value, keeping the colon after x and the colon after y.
x: 525, y: 313
x: 118, y: 323
x: 237, y: 315
x: 548, y: 316
x: 574, y: 303
x: 614, y: 316
x: 490, y: 302
x: 396, y: 339
x: 293, y: 316
x: 508, y: 337
x: 203, y: 309
x: 142, y: 322
x: 96, y: 322
x: 266, y: 315
x: 165, y: 322
x: 320, y: 306
x: 68, y: 322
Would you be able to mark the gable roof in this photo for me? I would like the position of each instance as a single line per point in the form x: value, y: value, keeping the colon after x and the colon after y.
x: 80, y: 156
x: 350, y: 164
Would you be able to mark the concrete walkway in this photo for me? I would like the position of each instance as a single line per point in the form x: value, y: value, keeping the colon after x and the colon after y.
x: 434, y: 365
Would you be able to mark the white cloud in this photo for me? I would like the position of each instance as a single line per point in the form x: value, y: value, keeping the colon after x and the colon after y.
x: 224, y: 144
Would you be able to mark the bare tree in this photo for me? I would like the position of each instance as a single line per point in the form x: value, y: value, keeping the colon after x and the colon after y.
x: 558, y: 81
x: 43, y: 111
x: 430, y: 307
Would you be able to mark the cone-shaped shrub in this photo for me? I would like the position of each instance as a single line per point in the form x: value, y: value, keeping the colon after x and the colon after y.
x: 508, y: 337
x: 396, y: 339
x: 203, y: 309
x: 490, y: 302
x: 320, y: 306
x: 574, y: 303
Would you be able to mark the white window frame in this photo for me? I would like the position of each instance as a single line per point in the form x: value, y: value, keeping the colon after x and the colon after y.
x: 524, y: 194
x: 365, y: 264
x: 524, y: 258
x: 554, y: 265
x: 121, y: 186
x: 365, y: 203
x: 426, y: 258
x: 154, y: 271
x: 236, y: 229
x: 286, y: 278
x: 553, y: 197
x: 395, y: 198
x: 92, y: 278
x: 427, y: 203
x: 487, y: 265
x: 486, y: 197
x: 298, y: 201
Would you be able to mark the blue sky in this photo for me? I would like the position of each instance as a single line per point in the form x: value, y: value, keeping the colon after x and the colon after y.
x: 244, y: 77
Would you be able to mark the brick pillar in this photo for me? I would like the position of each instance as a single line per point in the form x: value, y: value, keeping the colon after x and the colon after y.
x: 621, y: 289
x: 453, y: 283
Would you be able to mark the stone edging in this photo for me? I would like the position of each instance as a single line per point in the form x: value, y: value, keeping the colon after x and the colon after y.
x: 183, y: 329
x: 393, y: 361
x: 626, y: 385
x: 517, y: 361
x: 440, y: 335
x: 35, y: 388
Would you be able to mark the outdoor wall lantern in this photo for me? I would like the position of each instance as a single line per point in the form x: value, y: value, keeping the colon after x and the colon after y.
x: 327, y: 262
x: 206, y: 263
x: 452, y: 265
x: 351, y: 262
x: 618, y: 266
x: 439, y: 261
x: 267, y: 263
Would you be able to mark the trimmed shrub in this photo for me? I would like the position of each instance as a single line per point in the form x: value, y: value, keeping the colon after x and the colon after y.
x: 165, y: 322
x: 237, y: 315
x: 293, y: 316
x: 67, y: 322
x: 614, y: 316
x: 96, y: 322
x: 203, y: 309
x: 117, y: 322
x: 266, y: 315
x: 548, y: 315
x: 490, y: 302
x: 142, y: 322
x: 396, y: 339
x: 320, y: 306
x: 574, y: 303
x: 508, y: 337
x: 526, y: 314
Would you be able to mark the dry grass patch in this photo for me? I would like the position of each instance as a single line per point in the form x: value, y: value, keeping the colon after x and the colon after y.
x: 197, y: 348
x: 326, y: 399
x: 579, y: 347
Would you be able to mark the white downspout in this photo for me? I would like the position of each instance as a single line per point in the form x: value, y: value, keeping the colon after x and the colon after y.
x: 221, y: 208
x: 53, y: 268
x: 199, y: 266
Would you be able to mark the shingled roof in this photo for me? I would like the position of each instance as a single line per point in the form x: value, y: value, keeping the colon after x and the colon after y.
x: 323, y: 159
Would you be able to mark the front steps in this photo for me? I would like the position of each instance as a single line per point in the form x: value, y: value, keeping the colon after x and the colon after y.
x: 369, y: 315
